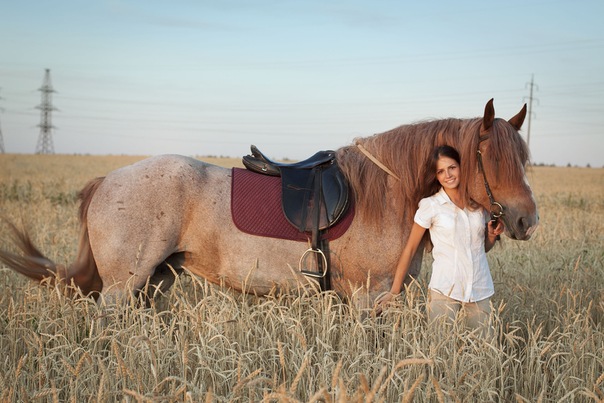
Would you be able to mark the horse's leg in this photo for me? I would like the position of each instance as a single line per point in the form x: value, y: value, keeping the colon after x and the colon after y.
x: 130, y: 248
x: 164, y: 276
x: 160, y: 281
x: 123, y: 276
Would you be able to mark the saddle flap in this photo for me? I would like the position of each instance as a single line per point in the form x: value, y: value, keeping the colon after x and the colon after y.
x: 335, y: 194
x: 302, y: 196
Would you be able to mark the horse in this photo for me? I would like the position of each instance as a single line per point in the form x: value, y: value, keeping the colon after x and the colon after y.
x: 144, y: 223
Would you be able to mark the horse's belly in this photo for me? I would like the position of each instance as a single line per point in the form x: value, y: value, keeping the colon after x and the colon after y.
x: 249, y: 263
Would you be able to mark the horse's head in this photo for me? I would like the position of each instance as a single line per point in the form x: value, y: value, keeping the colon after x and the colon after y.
x: 498, y: 177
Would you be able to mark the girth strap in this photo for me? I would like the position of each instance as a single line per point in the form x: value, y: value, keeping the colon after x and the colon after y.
x: 319, y: 247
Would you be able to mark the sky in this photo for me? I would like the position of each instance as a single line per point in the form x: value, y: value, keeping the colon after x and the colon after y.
x: 209, y: 78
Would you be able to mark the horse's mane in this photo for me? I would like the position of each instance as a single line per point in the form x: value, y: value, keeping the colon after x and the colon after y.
x: 406, y: 151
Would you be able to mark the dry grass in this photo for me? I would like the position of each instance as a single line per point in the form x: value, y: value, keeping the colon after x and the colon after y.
x: 204, y: 343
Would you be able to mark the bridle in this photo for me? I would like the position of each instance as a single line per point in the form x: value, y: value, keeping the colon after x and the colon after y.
x: 496, y: 209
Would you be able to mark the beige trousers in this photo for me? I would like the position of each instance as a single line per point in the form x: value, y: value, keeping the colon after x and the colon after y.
x: 475, y: 315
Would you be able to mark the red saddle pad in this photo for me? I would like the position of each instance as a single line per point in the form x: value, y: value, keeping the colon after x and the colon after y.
x: 256, y: 208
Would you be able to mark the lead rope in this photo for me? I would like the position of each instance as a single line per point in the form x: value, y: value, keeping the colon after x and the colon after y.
x: 376, y: 161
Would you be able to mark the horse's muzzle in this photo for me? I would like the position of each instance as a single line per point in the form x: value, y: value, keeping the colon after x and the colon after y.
x: 522, y: 228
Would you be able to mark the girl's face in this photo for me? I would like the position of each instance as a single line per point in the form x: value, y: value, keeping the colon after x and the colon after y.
x: 447, y: 172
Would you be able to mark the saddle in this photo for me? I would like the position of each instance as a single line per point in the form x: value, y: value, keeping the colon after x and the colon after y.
x: 314, y: 196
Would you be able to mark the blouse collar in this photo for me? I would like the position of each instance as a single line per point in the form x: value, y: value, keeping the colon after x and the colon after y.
x: 442, y: 197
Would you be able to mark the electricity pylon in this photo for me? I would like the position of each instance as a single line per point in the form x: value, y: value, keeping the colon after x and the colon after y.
x: 45, y: 139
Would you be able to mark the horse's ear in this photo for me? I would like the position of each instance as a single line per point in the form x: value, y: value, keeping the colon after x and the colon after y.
x: 517, y: 120
x: 489, y: 116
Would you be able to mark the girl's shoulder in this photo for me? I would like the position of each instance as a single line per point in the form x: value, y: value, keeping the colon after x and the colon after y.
x: 429, y: 205
x: 426, y: 201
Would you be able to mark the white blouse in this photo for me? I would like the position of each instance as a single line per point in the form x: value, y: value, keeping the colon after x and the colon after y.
x: 460, y: 269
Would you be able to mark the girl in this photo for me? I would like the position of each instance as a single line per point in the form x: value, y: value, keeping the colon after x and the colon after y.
x: 460, y: 271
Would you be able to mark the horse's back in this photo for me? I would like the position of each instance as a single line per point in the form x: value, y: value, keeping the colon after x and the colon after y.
x: 159, y: 185
x: 161, y: 170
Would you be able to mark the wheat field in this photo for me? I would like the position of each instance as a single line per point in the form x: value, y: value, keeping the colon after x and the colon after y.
x: 203, y: 343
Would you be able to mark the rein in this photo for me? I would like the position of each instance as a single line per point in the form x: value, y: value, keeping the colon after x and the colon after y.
x: 376, y: 161
x: 496, y: 208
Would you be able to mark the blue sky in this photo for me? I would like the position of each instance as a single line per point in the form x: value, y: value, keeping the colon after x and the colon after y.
x: 211, y: 77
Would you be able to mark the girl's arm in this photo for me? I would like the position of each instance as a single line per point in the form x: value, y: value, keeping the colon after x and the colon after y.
x: 404, y: 261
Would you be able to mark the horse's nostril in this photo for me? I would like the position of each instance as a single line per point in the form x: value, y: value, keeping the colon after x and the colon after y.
x: 522, y: 226
x: 526, y: 226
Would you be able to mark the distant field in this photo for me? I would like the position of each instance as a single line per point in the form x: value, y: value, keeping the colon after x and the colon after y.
x: 204, y: 343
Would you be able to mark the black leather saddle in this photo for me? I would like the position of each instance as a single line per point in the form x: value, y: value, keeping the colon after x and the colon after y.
x: 314, y: 191
x: 314, y: 196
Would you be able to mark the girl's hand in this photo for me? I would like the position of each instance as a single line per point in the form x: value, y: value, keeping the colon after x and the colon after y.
x: 382, y: 300
x: 495, y: 228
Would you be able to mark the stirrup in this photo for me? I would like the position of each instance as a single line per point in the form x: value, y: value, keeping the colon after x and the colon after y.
x: 313, y: 273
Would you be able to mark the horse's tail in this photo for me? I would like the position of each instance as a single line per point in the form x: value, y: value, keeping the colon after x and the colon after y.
x: 33, y: 264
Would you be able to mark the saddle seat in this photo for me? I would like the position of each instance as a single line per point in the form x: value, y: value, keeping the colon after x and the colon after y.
x: 258, y: 162
x: 314, y: 192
